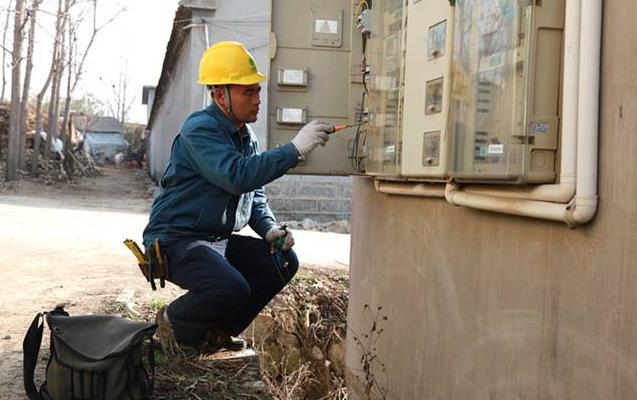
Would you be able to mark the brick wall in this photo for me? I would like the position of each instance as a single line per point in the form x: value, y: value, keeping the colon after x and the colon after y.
x: 320, y: 198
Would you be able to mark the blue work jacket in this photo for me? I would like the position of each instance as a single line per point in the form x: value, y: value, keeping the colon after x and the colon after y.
x: 213, y: 184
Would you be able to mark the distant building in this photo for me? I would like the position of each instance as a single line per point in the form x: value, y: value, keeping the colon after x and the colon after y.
x: 103, y: 137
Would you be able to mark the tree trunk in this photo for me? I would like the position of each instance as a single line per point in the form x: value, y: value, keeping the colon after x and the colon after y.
x: 27, y: 83
x: 69, y: 159
x: 4, y: 51
x: 55, y: 86
x: 14, y: 119
x: 40, y: 98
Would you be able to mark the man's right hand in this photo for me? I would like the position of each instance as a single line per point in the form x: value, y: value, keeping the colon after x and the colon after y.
x: 311, y: 135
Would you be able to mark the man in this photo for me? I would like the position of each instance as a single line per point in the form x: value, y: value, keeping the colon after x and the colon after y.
x: 213, y: 186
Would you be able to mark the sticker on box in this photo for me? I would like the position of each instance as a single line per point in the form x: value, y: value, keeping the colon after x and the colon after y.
x: 539, y: 127
x: 496, y: 149
x: 329, y: 26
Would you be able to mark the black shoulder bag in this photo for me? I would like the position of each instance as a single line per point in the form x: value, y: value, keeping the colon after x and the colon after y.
x: 93, y: 357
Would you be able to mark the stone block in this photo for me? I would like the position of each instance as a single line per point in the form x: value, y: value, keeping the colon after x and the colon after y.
x: 317, y: 191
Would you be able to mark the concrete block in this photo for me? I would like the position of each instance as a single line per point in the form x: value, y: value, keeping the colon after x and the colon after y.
x: 317, y: 191
x: 345, y: 191
x: 335, y: 206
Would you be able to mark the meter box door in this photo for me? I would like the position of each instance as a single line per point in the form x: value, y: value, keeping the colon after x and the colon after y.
x: 310, y: 78
x: 386, y: 85
x: 427, y: 88
x: 506, y: 79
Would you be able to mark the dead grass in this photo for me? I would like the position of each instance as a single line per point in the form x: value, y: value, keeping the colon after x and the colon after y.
x: 299, y: 337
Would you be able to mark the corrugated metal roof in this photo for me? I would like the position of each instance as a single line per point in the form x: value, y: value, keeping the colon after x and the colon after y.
x: 105, y: 124
x: 96, y: 124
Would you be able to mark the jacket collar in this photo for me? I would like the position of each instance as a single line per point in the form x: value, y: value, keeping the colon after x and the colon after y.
x: 224, y: 122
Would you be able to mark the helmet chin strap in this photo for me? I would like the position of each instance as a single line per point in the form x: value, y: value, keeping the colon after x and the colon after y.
x: 228, y: 105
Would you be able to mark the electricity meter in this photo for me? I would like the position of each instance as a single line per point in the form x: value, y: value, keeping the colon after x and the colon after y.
x: 427, y: 85
x: 504, y: 108
x: 386, y: 57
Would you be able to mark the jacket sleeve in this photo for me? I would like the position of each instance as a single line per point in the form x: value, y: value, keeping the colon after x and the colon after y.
x: 261, y: 219
x: 216, y: 159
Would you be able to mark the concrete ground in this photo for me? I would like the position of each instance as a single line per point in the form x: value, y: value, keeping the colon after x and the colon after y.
x: 65, y: 246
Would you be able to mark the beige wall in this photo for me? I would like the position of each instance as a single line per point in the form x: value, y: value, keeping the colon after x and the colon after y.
x: 489, y: 306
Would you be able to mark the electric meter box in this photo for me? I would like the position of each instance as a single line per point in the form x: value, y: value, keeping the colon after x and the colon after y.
x: 506, y: 74
x: 409, y: 89
x: 311, y: 50
x: 386, y: 84
x: 427, y: 87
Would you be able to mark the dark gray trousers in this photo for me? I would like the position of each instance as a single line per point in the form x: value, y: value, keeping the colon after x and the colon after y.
x: 224, y: 293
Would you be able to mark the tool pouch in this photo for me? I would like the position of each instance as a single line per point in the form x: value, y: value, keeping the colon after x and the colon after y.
x: 157, y: 267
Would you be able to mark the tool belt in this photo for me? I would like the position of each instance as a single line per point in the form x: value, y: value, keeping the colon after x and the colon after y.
x: 153, y: 263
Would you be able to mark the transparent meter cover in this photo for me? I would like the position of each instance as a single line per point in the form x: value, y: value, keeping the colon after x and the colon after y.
x: 489, y: 84
x: 386, y: 58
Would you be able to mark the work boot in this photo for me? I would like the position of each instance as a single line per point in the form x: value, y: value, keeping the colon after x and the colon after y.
x: 218, y: 340
x: 165, y: 334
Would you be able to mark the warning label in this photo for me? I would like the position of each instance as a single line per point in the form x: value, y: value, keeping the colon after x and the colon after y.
x: 329, y: 26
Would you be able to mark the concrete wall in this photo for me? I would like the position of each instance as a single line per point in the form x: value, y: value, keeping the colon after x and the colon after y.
x: 179, y: 101
x: 489, y: 306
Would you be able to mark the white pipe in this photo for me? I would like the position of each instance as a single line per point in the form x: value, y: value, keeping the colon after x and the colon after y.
x: 520, y: 207
x: 588, y: 116
x: 410, y: 188
x: 581, y: 148
x: 556, y: 193
x: 206, y: 35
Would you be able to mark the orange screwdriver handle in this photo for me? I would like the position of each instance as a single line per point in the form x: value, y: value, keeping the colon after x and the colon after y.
x: 337, y: 128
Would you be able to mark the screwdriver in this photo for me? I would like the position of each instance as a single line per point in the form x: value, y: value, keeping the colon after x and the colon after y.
x: 281, y: 240
x: 336, y: 128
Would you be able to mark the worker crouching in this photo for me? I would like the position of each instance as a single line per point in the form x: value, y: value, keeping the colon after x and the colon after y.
x: 212, y: 188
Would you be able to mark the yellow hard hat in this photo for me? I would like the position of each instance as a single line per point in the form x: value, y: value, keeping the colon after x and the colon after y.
x: 228, y: 63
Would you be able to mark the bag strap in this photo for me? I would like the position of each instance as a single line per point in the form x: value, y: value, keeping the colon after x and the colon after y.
x: 31, y: 349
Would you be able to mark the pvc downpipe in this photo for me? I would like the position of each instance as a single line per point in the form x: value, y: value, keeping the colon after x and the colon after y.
x: 410, y: 189
x: 584, y: 205
x: 586, y: 198
x: 564, y: 191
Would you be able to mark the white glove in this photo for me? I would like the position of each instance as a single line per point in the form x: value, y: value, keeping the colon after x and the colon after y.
x: 280, y: 232
x: 311, y: 135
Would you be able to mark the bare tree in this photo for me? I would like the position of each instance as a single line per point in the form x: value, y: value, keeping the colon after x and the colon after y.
x: 121, y: 104
x: 5, y: 50
x: 56, y: 83
x: 38, y: 110
x: 75, y: 72
x: 35, y: 5
x: 14, y: 119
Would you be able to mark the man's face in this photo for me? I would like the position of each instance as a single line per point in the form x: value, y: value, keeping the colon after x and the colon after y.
x: 245, y: 102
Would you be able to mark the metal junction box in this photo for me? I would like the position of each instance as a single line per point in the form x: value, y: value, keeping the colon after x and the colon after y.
x: 507, y: 61
x: 311, y: 78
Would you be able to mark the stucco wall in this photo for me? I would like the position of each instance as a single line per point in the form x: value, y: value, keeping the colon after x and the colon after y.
x: 177, y: 103
x: 489, y: 306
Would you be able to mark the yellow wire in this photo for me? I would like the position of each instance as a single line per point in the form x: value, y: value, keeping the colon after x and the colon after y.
x: 361, y: 3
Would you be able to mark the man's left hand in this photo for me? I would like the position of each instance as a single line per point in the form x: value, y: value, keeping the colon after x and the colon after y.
x: 275, y: 234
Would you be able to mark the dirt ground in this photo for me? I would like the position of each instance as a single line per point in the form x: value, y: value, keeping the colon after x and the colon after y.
x: 62, y: 244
